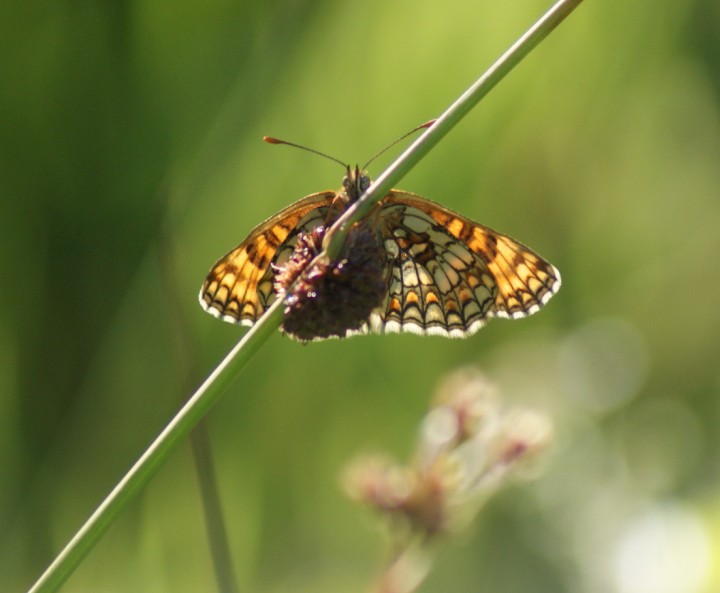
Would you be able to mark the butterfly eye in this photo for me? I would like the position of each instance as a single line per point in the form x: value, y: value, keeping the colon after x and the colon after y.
x: 363, y: 183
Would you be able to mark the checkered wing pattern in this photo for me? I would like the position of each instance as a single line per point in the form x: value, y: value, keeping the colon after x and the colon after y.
x: 450, y: 275
x: 239, y: 287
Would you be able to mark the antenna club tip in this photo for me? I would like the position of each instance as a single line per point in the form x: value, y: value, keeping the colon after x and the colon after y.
x: 271, y: 140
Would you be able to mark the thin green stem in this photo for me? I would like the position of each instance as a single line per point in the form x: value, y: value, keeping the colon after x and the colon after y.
x: 213, y: 387
x: 212, y: 507
x: 158, y: 452
x: 447, y: 121
x: 200, y: 443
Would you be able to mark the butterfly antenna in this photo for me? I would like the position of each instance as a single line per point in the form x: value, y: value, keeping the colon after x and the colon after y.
x: 424, y: 126
x: 271, y: 140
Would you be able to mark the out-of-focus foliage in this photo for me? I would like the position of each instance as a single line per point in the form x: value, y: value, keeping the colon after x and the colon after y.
x: 130, y: 159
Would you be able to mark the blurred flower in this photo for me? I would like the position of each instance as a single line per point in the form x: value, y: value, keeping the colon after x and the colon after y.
x: 469, y: 443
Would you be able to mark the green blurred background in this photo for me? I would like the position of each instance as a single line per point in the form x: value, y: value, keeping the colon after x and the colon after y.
x: 130, y: 159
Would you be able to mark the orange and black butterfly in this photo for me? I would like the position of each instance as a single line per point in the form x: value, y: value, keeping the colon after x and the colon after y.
x: 411, y: 265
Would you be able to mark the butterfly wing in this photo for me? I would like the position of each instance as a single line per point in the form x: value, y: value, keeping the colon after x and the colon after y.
x: 449, y: 275
x: 239, y: 287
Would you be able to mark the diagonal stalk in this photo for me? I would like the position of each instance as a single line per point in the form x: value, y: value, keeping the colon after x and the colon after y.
x: 447, y: 121
x: 211, y: 390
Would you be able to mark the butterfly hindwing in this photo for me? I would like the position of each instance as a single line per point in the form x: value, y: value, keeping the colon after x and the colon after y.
x: 449, y: 275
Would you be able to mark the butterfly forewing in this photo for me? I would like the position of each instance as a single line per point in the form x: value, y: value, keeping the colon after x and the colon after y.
x: 239, y: 287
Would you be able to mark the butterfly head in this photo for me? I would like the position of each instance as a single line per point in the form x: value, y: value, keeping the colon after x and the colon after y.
x: 355, y: 183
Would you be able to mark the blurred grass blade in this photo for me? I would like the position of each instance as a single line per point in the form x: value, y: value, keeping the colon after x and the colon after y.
x: 211, y: 390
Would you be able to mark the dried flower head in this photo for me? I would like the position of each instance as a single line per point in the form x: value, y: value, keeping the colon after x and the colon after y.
x: 333, y: 298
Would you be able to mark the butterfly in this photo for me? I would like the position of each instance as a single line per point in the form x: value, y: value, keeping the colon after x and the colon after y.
x: 410, y: 265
